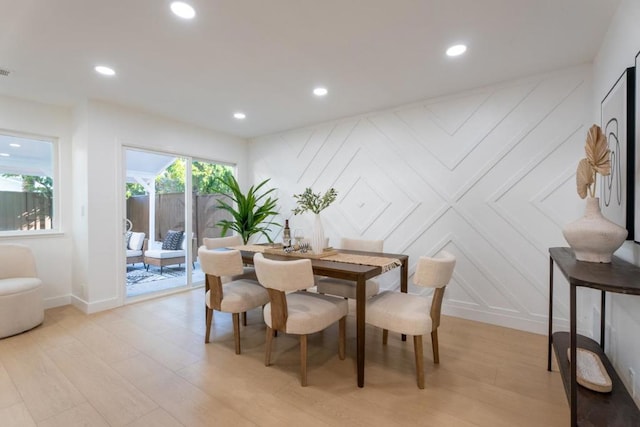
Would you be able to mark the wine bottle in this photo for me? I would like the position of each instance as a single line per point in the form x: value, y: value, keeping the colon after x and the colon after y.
x: 286, y: 235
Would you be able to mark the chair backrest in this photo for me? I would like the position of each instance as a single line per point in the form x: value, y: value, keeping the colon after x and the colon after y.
x: 222, y: 242
x: 362, y: 245
x: 17, y: 261
x: 220, y: 263
x: 283, y: 275
x: 434, y: 272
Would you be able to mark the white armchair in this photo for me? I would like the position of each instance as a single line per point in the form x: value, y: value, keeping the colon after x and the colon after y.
x: 21, y: 300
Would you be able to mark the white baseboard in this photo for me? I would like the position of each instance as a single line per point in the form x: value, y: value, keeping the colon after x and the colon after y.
x: 94, y: 307
x: 57, y: 301
x: 536, y: 326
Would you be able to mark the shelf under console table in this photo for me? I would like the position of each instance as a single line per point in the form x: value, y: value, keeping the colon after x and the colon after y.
x: 589, y: 408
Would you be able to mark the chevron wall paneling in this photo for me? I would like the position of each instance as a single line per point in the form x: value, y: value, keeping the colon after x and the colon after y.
x: 488, y: 175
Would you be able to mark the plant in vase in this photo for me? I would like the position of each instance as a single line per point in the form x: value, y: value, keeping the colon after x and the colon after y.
x: 316, y: 203
x: 250, y: 211
x: 593, y: 238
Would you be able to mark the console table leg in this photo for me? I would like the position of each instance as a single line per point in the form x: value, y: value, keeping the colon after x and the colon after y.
x: 602, y: 308
x: 550, y: 314
x: 573, y: 384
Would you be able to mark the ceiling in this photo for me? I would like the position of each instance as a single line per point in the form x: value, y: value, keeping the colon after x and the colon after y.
x: 265, y: 57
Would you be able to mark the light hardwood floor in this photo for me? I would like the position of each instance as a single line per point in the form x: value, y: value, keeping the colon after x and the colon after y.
x: 146, y: 364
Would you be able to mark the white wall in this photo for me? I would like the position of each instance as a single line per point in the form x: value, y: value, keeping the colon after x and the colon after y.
x: 53, y: 252
x: 99, y: 235
x: 486, y: 174
x: 618, y: 52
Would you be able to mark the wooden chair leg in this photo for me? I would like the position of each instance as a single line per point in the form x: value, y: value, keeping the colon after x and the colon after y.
x: 267, y: 346
x: 303, y: 360
x: 417, y: 348
x: 236, y: 331
x: 385, y: 336
x: 343, y: 336
x: 244, y: 318
x: 434, y: 346
x: 208, y: 315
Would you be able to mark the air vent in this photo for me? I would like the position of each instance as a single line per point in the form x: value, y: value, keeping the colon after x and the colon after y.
x: 4, y: 72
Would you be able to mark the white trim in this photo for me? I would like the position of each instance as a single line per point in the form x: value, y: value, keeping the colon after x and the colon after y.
x: 58, y: 301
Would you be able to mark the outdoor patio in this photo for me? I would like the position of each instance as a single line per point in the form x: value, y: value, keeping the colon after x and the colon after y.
x: 140, y: 281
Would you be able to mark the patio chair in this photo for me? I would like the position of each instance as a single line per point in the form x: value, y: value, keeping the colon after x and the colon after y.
x: 172, y: 250
x: 136, y: 245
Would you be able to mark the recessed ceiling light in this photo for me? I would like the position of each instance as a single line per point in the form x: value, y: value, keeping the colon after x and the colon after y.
x: 4, y: 154
x: 456, y: 50
x: 183, y: 10
x: 105, y: 71
x: 239, y: 115
x: 14, y: 145
x: 320, y: 91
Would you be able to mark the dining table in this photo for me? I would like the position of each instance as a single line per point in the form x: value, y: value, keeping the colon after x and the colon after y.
x: 334, y: 267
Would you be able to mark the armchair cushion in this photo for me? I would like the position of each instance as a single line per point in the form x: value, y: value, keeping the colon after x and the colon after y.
x: 136, y: 240
x: 173, y: 240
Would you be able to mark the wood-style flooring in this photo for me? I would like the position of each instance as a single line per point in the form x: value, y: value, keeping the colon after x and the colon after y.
x: 146, y: 364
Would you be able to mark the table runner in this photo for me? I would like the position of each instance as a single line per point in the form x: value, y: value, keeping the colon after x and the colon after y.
x: 377, y: 261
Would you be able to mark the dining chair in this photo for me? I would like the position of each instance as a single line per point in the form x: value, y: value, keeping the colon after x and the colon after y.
x: 347, y: 288
x: 236, y: 296
x: 294, y: 312
x: 414, y: 314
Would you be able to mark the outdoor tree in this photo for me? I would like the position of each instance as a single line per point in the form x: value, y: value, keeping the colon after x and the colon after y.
x: 34, y: 184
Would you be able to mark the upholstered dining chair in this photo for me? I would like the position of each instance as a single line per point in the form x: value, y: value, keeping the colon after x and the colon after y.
x: 347, y: 288
x: 222, y: 242
x: 236, y: 296
x: 413, y: 314
x: 297, y: 313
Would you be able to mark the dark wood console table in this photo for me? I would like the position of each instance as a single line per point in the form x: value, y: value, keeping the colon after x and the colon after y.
x: 590, y: 408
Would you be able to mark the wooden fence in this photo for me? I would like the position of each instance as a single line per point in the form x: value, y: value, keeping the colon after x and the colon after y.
x: 170, y: 214
x: 24, y: 211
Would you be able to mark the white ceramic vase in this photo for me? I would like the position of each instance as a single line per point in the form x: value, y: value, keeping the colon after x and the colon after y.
x: 317, y: 239
x: 593, y: 237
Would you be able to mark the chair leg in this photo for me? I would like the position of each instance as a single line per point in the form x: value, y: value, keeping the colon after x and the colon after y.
x: 208, y: 315
x: 385, y: 336
x: 417, y: 348
x: 434, y: 346
x: 244, y: 318
x: 343, y: 336
x: 303, y: 360
x: 236, y: 331
x: 267, y: 347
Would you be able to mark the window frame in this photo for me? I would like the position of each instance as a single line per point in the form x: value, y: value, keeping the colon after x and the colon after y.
x: 56, y: 222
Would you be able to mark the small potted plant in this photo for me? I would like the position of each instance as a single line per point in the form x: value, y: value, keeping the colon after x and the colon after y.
x: 316, y: 203
x: 593, y: 237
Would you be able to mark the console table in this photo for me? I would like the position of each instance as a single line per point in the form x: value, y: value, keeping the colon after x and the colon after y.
x: 590, y: 408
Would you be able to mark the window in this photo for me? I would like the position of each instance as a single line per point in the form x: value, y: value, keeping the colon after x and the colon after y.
x: 27, y: 171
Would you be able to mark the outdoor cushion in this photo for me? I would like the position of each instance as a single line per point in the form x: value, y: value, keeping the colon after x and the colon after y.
x: 131, y: 252
x: 136, y: 241
x: 173, y: 240
x: 159, y: 253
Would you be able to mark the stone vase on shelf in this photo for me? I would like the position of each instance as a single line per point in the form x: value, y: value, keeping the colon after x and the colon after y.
x: 593, y: 237
x: 317, y: 238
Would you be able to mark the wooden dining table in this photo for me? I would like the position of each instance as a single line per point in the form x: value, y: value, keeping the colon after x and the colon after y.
x: 355, y: 272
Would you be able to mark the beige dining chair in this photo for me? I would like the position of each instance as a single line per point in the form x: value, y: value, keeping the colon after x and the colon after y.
x: 413, y: 314
x: 236, y: 296
x: 222, y: 242
x: 347, y: 288
x: 294, y: 312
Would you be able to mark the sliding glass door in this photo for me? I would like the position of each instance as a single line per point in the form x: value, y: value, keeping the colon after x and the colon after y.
x: 165, y: 223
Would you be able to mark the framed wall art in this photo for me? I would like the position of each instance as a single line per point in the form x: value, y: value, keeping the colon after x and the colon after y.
x: 617, y: 119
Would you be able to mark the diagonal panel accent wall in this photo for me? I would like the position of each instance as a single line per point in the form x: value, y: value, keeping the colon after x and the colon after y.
x: 487, y: 175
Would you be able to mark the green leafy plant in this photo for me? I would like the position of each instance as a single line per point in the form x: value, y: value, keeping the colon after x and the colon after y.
x: 314, y: 202
x: 251, y: 210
